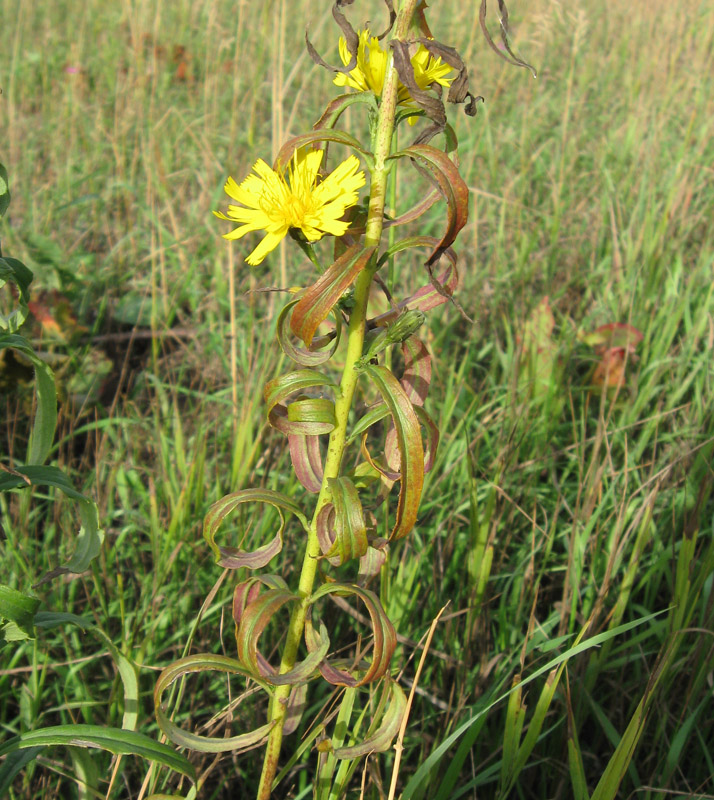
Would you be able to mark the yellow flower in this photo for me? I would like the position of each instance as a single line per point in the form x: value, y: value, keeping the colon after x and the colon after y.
x: 272, y: 203
x: 368, y: 75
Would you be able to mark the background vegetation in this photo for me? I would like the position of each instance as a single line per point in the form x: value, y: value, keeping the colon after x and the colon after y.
x: 591, y: 186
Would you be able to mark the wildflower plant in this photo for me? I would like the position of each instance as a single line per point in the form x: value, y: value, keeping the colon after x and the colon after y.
x: 396, y: 76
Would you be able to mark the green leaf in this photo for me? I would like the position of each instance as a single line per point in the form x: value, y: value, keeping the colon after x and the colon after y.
x: 252, y: 613
x: 206, y: 662
x: 341, y: 528
x: 13, y: 765
x: 426, y: 766
x: 45, y: 422
x: 90, y: 538
x: 17, y: 273
x: 380, y: 740
x: 4, y: 190
x: 233, y: 557
x: 19, y: 609
x: 319, y: 299
x: 385, y: 637
x: 411, y: 449
x: 280, y: 389
x: 115, y: 740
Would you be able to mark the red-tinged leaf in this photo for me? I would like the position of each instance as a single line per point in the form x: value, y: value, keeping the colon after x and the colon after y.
x: 309, y: 418
x: 318, y: 353
x: 320, y: 298
x: 307, y: 460
x: 616, y: 335
x: 385, y: 637
x: 248, y: 590
x: 391, y: 445
x: 438, y: 291
x: 337, y: 106
x: 445, y: 174
x: 417, y: 370
x: 254, y: 618
x: 341, y: 528
x: 322, y: 135
x: 372, y: 561
x: 296, y: 708
x: 411, y: 450
x: 233, y: 557
x: 206, y: 662
x: 379, y: 740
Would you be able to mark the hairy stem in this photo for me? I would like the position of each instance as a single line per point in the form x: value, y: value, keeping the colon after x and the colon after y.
x: 343, y: 401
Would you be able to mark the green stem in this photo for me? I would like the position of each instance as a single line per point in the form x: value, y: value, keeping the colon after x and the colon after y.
x: 343, y: 400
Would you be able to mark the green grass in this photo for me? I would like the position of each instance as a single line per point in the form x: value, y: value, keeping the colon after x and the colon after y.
x: 591, y: 185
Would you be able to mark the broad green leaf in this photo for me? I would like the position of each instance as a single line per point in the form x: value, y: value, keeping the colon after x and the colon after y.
x: 385, y: 637
x: 17, y: 273
x: 90, y: 538
x: 234, y: 557
x: 317, y: 353
x: 380, y: 740
x: 319, y: 299
x: 19, y: 609
x: 4, y: 190
x: 341, y: 528
x: 13, y: 764
x: 411, y: 449
x: 206, y: 662
x: 445, y: 174
x: 115, y: 740
x: 45, y: 422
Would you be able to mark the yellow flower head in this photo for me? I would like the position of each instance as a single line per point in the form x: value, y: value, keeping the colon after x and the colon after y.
x: 368, y: 75
x: 273, y: 203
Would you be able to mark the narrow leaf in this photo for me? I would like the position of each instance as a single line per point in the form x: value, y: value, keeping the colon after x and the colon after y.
x: 411, y: 449
x: 115, y: 740
x: 341, y: 528
x: 385, y: 637
x: 444, y: 173
x: 280, y: 389
x: 320, y: 298
x: 233, y: 557
x: 317, y: 353
x: 206, y: 662
x: 322, y: 135
x: 381, y: 739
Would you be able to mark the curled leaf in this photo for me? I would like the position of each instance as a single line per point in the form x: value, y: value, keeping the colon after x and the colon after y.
x: 310, y: 418
x: 503, y: 24
x: 379, y: 739
x: 307, y: 460
x: 206, y: 662
x: 317, y: 353
x: 385, y: 637
x: 319, y: 299
x: 411, y: 449
x: 322, y: 135
x: 341, y: 528
x: 444, y: 173
x: 233, y: 557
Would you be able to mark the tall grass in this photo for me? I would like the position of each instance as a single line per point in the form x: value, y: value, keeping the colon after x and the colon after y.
x: 548, y: 515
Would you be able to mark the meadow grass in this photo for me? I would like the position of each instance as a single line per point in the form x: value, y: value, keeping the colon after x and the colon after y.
x: 550, y: 512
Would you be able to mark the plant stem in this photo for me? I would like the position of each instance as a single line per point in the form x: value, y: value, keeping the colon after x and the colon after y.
x: 343, y: 400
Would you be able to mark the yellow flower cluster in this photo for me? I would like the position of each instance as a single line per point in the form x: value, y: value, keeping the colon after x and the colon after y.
x: 368, y: 75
